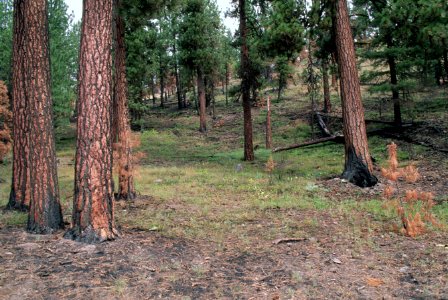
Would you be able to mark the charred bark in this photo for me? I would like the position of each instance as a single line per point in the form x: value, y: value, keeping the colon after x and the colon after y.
x: 358, y: 163
x: 93, y: 205
x: 245, y: 85
x: 122, y: 139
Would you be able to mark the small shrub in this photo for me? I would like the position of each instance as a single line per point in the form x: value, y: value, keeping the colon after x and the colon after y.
x: 414, y: 208
x: 5, y: 122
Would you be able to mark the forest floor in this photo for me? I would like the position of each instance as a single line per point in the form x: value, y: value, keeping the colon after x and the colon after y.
x: 207, y: 225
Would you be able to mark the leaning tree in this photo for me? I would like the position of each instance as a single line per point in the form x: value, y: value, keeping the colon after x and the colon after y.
x: 358, y: 163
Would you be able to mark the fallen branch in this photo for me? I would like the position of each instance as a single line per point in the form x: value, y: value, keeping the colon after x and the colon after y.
x: 337, y: 138
x: 288, y: 240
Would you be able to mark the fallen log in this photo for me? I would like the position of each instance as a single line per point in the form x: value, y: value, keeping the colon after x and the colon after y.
x: 337, y: 138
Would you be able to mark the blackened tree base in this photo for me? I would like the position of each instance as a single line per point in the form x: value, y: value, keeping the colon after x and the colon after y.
x: 357, y: 172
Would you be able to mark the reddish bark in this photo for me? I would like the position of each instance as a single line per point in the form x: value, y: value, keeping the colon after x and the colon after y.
x: 93, y: 205
x: 358, y: 163
x: 19, y: 197
x: 122, y: 128
x: 245, y: 85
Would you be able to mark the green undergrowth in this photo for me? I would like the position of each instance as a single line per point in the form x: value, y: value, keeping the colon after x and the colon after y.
x: 201, y: 188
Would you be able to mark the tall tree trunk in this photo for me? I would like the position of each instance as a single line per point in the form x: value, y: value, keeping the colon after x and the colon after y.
x: 327, y: 99
x: 227, y: 84
x: 245, y: 85
x: 93, y: 205
x: 178, y: 87
x: 358, y: 163
x: 394, y: 81
x: 126, y: 190
x: 45, y: 215
x: 445, y: 59
x: 202, y: 108
x: 268, y: 125
x: 438, y: 73
x: 20, y: 194
x: 153, y: 92
x: 162, y: 88
x: 213, y: 100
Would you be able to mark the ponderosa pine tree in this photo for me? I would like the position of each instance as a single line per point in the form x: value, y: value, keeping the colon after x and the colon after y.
x: 358, y: 163
x: 199, y: 35
x: 122, y: 130
x: 19, y: 197
x: 31, y: 51
x: 93, y: 205
x: 245, y: 84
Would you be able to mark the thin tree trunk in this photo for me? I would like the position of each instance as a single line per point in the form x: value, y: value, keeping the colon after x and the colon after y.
x: 358, y: 163
x: 202, y: 108
x: 327, y: 99
x: 394, y: 81
x: 93, y: 205
x: 178, y: 87
x: 268, y: 125
x: 153, y: 92
x: 162, y: 88
x: 445, y: 59
x: 20, y: 194
x: 45, y: 215
x: 245, y: 85
x: 227, y: 84
x: 213, y: 100
x: 126, y: 190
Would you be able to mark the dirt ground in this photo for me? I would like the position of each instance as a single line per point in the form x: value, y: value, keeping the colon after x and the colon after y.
x: 331, y: 264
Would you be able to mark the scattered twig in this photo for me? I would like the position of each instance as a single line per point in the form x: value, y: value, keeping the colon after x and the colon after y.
x: 288, y: 240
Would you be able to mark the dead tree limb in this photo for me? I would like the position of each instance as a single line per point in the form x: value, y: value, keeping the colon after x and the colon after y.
x: 338, y: 138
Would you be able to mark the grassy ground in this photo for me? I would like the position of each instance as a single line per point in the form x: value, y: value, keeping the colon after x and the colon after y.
x: 196, y: 187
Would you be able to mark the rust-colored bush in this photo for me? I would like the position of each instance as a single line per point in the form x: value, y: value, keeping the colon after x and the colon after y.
x: 414, y: 208
x: 5, y: 122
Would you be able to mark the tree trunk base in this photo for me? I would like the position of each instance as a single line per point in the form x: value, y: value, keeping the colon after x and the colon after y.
x: 125, y: 196
x: 357, y: 172
x: 91, y: 235
x: 14, y: 205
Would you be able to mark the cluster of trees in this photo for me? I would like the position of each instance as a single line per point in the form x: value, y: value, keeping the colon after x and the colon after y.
x: 101, y: 112
x: 180, y: 47
x: 406, y: 40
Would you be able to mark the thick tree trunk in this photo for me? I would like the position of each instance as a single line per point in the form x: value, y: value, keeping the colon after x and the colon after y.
x: 394, y: 81
x: 268, y: 125
x: 245, y: 85
x: 45, y: 215
x: 20, y: 194
x: 327, y: 99
x: 202, y: 104
x: 93, y: 205
x: 126, y: 190
x: 358, y: 163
